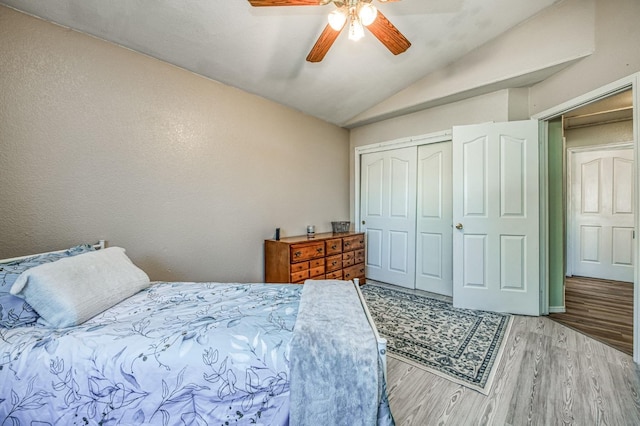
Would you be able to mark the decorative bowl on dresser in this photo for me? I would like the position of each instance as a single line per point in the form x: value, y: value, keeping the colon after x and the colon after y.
x: 332, y: 256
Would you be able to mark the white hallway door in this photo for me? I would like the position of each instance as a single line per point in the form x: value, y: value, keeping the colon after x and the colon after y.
x: 602, y: 214
x: 388, y: 213
x: 495, y: 212
x: 434, y: 242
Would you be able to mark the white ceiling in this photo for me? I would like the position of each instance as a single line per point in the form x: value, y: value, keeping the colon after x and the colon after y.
x: 263, y: 50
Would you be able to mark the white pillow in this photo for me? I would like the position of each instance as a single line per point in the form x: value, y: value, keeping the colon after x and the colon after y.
x: 69, y: 291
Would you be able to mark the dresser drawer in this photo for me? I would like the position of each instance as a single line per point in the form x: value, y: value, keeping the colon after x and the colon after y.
x: 360, y: 256
x: 314, y: 272
x: 356, y: 271
x: 316, y: 262
x: 355, y: 242
x: 302, y: 252
x: 334, y: 246
x: 297, y: 267
x: 335, y: 275
x: 348, y: 259
x: 334, y: 262
x: 299, y: 276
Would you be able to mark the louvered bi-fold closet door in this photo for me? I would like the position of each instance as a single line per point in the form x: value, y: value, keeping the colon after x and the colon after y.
x: 388, y: 214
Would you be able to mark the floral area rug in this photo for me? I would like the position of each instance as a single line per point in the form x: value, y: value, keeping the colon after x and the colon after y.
x: 461, y: 345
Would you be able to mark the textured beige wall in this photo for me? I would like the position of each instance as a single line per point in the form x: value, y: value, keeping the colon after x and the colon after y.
x: 189, y: 175
x: 555, y: 37
x: 616, y: 55
x: 491, y: 107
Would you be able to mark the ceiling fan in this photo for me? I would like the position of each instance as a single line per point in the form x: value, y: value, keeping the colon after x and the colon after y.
x: 357, y: 14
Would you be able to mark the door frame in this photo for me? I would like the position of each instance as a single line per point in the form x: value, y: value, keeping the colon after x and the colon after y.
x: 570, y: 207
x: 630, y: 82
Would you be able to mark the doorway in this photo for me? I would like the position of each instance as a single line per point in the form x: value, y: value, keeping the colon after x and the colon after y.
x: 591, y: 153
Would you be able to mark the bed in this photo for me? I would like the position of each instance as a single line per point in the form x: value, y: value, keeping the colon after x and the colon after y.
x: 183, y: 353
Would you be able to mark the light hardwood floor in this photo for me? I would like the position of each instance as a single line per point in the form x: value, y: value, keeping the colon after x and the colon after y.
x: 602, y: 309
x: 549, y: 375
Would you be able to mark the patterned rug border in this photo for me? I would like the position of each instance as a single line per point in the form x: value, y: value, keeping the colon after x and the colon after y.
x: 493, y: 369
x: 496, y: 364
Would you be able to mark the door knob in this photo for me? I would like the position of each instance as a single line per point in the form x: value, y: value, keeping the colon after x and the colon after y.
x: 458, y: 226
x: 363, y: 222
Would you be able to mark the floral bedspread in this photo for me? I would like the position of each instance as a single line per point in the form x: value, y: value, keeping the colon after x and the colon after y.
x: 176, y: 353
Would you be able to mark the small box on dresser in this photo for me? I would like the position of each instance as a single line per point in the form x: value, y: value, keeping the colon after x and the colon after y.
x: 337, y: 256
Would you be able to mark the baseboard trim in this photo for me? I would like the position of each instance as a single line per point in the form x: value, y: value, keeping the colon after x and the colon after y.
x: 557, y: 309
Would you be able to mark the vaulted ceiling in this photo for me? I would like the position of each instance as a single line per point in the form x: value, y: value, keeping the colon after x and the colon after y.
x: 262, y: 50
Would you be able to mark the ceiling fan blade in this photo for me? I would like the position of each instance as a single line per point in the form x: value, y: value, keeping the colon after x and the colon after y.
x: 324, y: 42
x: 388, y: 34
x: 260, y: 3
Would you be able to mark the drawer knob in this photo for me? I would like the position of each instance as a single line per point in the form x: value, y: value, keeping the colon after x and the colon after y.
x: 319, y: 250
x: 333, y: 247
x: 347, y: 275
x: 347, y: 244
x: 297, y: 254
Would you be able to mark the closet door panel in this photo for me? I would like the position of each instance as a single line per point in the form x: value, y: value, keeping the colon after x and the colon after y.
x: 388, y: 213
x: 434, y: 248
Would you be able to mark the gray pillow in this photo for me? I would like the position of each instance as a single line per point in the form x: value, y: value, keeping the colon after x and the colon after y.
x: 72, y: 290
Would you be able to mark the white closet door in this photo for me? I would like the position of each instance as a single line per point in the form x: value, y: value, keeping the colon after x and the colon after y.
x: 495, y: 212
x: 388, y: 212
x: 602, y: 214
x: 434, y: 242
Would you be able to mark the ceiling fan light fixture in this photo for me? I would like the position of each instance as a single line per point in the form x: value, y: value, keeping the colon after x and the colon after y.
x: 356, y: 14
x: 356, y: 30
x: 337, y: 18
x: 367, y: 14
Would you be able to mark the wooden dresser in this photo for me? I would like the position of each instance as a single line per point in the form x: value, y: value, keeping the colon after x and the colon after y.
x: 326, y: 256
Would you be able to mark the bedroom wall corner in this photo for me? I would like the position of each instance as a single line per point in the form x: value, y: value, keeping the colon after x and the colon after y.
x: 189, y: 175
